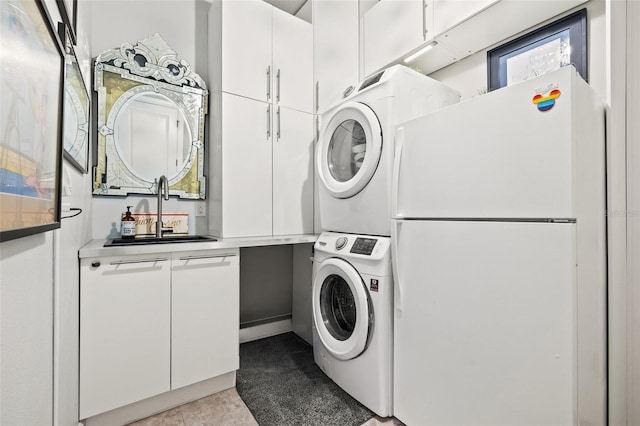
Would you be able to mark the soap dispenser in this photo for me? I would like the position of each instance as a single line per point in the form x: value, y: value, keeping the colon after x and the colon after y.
x: 128, y: 225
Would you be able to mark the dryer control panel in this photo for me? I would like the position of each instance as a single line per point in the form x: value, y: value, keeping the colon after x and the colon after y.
x: 363, y: 246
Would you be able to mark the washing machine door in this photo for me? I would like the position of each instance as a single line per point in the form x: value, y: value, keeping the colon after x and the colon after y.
x: 349, y: 150
x: 341, y: 309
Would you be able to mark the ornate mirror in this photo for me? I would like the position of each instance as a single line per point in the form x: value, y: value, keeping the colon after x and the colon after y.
x: 151, y: 109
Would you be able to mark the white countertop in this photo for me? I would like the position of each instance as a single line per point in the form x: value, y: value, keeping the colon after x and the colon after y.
x: 95, y: 248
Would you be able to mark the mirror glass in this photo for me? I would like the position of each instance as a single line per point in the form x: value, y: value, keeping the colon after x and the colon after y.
x: 151, y: 110
x: 152, y: 117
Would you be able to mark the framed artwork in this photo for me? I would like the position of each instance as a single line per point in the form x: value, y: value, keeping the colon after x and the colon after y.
x: 68, y: 10
x: 76, y: 108
x: 32, y: 87
x: 546, y: 49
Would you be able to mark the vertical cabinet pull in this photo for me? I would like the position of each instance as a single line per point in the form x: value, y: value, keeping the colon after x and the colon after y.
x: 278, y: 121
x: 424, y: 20
x: 268, y: 121
x: 317, y: 129
x: 318, y: 95
x: 269, y: 83
x: 278, y: 85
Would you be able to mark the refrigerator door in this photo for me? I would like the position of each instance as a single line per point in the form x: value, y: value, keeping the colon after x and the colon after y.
x: 484, y: 326
x: 494, y: 156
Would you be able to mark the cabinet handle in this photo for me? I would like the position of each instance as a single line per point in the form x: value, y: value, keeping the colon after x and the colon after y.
x: 278, y: 121
x: 268, y: 121
x: 269, y: 82
x: 317, y: 129
x: 424, y: 20
x: 207, y: 256
x: 125, y: 262
x: 278, y: 85
x: 318, y: 95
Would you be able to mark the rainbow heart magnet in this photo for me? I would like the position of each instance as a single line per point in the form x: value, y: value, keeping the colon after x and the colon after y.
x: 545, y: 103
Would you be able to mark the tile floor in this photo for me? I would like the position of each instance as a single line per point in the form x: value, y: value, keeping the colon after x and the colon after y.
x: 224, y: 408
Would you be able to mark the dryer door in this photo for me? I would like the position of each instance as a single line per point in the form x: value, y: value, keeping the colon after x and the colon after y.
x: 341, y: 309
x: 349, y: 150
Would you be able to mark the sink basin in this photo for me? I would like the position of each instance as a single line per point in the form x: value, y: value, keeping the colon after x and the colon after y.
x: 153, y: 240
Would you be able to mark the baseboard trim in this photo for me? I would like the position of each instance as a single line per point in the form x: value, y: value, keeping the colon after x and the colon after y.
x: 265, y: 330
x: 157, y: 404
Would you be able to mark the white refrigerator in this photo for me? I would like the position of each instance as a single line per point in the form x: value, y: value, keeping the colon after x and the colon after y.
x: 499, y: 255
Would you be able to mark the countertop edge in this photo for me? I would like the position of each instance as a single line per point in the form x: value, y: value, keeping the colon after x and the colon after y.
x: 95, y: 248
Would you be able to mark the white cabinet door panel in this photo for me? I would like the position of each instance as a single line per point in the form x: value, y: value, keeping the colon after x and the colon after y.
x: 204, y: 315
x: 449, y: 13
x: 246, y: 159
x: 393, y: 28
x: 293, y: 173
x: 292, y: 61
x: 124, y: 331
x: 335, y: 49
x: 246, y: 48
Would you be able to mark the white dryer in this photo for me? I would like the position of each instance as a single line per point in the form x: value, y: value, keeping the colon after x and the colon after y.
x: 352, y: 297
x: 355, y: 151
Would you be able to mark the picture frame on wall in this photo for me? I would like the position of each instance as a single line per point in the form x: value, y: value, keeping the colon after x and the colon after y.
x: 560, y: 43
x: 30, y: 119
x: 68, y: 11
x: 77, y: 107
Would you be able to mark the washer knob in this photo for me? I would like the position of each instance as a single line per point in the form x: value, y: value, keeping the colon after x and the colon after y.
x: 341, y: 242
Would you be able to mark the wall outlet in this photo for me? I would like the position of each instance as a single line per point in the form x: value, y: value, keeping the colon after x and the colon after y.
x: 201, y: 208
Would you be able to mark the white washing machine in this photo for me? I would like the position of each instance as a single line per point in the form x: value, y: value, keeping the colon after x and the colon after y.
x: 354, y: 156
x: 352, y: 297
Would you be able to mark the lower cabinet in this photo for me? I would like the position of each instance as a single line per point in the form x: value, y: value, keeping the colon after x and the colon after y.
x: 205, y: 315
x: 155, y: 322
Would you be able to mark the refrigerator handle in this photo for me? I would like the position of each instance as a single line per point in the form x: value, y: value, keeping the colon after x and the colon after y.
x: 395, y: 235
x: 395, y: 187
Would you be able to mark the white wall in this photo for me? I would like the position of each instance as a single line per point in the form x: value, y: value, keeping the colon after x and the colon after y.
x: 39, y: 303
x: 183, y: 25
x: 26, y: 325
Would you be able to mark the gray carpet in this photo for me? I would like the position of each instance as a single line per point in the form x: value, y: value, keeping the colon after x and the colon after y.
x: 282, y: 385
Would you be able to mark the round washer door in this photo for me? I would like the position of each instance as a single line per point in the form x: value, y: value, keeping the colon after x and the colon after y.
x: 349, y: 150
x: 341, y: 309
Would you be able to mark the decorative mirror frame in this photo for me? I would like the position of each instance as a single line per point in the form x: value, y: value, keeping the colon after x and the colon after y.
x: 149, y: 66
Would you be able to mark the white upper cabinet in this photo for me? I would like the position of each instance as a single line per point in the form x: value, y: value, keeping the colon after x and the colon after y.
x: 292, y: 62
x: 335, y: 50
x: 480, y: 30
x: 266, y: 54
x: 246, y: 51
x: 261, y: 125
x: 393, y: 28
x: 450, y: 13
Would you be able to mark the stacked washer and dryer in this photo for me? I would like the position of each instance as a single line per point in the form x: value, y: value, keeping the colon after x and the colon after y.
x: 352, y: 293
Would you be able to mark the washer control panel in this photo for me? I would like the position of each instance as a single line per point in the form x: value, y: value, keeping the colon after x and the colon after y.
x: 363, y: 246
x: 341, y: 243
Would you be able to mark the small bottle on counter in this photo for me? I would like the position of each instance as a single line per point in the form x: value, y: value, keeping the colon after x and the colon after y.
x: 128, y: 225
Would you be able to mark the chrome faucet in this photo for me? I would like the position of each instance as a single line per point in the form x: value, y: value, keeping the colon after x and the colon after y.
x: 162, y: 182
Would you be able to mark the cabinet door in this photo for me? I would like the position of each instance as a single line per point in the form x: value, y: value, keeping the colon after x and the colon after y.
x: 293, y: 172
x: 124, y: 331
x: 246, y: 161
x: 335, y: 50
x: 292, y: 61
x: 246, y: 48
x: 449, y: 13
x: 393, y: 28
x: 205, y: 312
